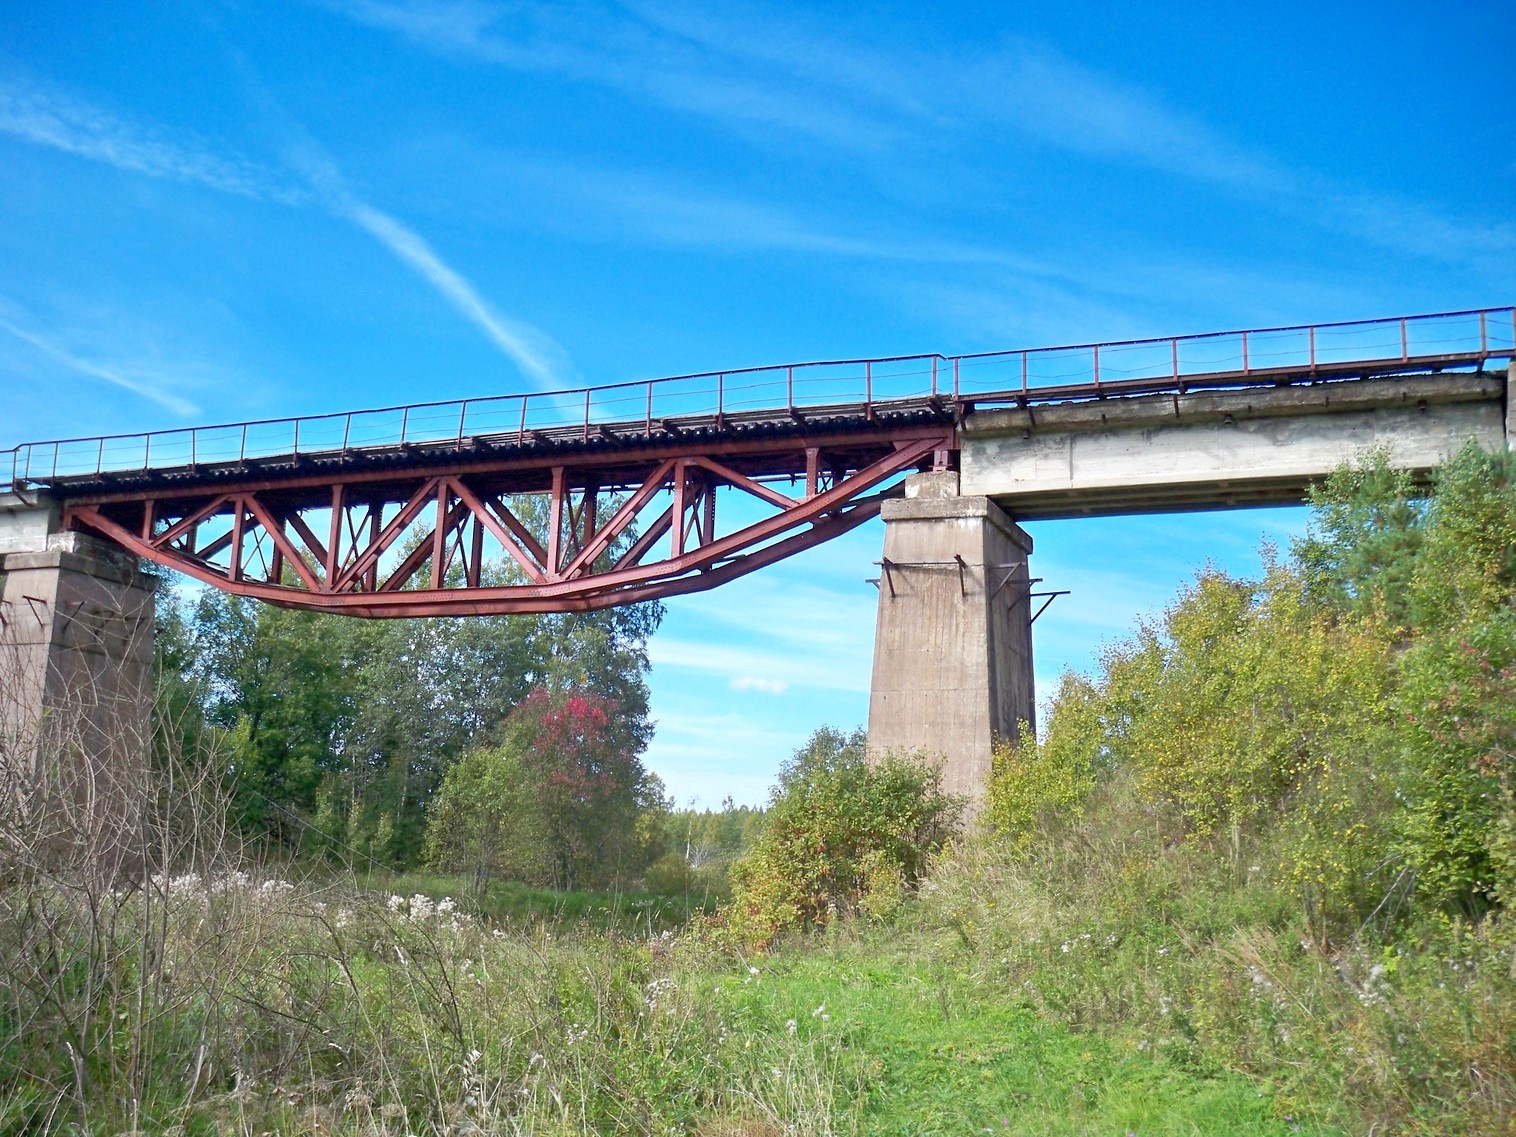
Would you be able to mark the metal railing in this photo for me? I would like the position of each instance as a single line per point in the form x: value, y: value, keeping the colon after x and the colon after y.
x: 1037, y: 374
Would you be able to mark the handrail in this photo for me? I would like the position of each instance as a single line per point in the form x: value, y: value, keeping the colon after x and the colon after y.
x: 866, y: 382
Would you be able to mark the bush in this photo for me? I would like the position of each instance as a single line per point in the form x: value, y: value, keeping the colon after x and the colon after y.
x: 844, y: 834
x: 1035, y: 781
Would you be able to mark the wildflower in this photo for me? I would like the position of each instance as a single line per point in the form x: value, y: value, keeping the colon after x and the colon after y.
x: 819, y: 1011
x: 792, y: 1026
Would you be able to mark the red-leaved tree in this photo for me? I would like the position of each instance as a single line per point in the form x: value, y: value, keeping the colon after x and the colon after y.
x: 587, y: 783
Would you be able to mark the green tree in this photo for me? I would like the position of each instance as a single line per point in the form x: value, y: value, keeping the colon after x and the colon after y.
x: 347, y: 726
x: 559, y: 799
x: 275, y: 684
x: 842, y: 834
x: 1360, y: 551
x: 484, y: 822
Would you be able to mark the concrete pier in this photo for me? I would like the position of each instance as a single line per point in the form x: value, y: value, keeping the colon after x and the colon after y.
x: 76, y: 644
x: 953, y: 645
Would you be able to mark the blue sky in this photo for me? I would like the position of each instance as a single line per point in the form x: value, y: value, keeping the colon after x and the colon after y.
x: 220, y: 211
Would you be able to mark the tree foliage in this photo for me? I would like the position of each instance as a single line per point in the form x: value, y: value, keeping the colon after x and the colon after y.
x: 1351, y: 715
x: 842, y: 834
x: 339, y: 731
x: 560, y: 799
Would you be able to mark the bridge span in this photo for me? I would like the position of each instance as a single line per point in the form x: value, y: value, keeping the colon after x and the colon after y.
x: 553, y: 501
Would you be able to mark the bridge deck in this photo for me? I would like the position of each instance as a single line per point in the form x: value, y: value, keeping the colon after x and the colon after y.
x: 412, y: 510
x: 793, y: 401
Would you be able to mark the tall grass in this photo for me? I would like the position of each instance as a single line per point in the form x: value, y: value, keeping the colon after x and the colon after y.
x: 1190, y: 951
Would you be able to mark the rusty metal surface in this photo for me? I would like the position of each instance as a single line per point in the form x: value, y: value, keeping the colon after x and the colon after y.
x: 418, y: 543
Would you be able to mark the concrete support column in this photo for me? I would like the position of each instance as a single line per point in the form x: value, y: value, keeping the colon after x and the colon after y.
x: 1510, y: 404
x: 953, y: 645
x: 76, y: 644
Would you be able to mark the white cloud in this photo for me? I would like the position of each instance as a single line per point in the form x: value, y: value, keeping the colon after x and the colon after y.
x: 62, y: 122
x: 759, y: 683
x: 530, y: 349
x: 609, y: 46
x: 115, y: 374
x: 65, y: 123
x: 771, y: 665
x: 753, y: 67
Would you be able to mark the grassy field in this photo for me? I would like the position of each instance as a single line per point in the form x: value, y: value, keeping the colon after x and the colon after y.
x: 1099, y: 993
x: 937, y: 1052
x: 266, y: 1007
x: 508, y: 904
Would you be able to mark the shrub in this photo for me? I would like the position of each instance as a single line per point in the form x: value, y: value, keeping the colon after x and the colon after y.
x: 1456, y: 831
x: 843, y: 834
x: 1037, y: 780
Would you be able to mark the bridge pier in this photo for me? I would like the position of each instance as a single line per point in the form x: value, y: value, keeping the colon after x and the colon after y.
x: 76, y: 645
x: 953, y: 642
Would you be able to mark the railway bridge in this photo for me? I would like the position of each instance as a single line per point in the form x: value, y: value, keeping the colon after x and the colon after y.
x: 566, y: 500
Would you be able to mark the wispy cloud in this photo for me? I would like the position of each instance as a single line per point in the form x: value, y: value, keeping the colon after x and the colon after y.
x: 114, y: 374
x: 63, y: 122
x: 533, y: 351
x: 754, y: 663
x: 801, y: 81
x: 760, y: 683
x: 529, y: 348
x: 613, y: 46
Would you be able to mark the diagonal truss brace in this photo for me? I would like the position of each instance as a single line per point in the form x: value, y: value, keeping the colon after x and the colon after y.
x: 419, y: 549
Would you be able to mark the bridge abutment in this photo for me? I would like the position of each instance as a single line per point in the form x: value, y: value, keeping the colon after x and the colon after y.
x: 953, y: 644
x: 76, y: 646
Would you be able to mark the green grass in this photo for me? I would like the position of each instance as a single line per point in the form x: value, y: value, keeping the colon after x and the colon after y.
x: 1008, y: 998
x: 513, y: 905
x: 936, y: 1052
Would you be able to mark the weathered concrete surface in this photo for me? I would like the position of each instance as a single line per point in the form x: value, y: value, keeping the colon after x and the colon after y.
x: 1220, y: 448
x: 76, y: 642
x: 953, y: 647
x: 26, y: 522
x: 1510, y: 403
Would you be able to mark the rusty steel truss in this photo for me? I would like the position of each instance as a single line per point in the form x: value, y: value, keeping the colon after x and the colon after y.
x: 577, y: 526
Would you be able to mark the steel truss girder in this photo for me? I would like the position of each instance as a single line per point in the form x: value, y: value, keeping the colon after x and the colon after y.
x: 413, y: 543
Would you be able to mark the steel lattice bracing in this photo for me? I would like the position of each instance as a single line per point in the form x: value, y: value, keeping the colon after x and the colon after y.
x: 580, y: 526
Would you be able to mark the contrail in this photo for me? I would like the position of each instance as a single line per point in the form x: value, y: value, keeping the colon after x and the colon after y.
x: 174, y: 403
x: 510, y: 337
x: 74, y: 127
